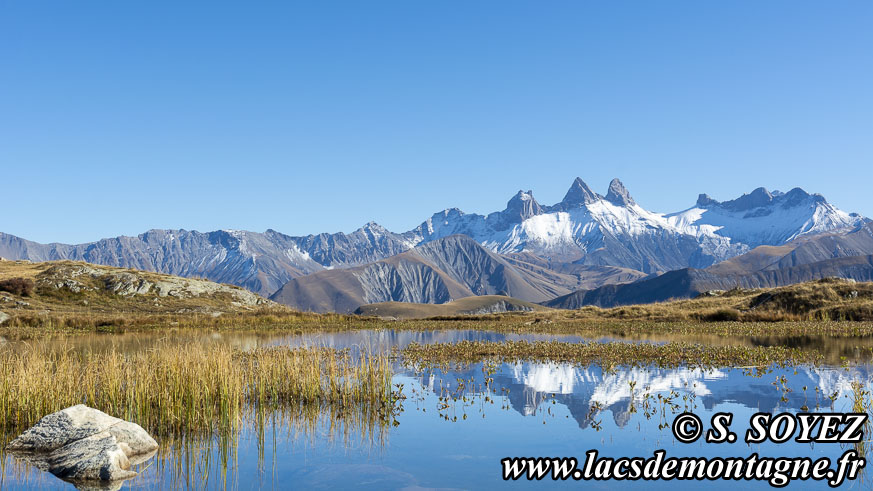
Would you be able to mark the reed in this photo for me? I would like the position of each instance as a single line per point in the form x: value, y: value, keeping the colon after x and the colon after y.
x: 178, y: 388
x: 862, y: 404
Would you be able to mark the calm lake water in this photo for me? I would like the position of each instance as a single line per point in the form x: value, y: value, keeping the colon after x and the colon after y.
x: 523, y: 409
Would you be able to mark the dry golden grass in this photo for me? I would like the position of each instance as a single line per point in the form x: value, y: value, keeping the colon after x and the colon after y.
x: 827, y: 299
x: 176, y: 388
x: 261, y: 319
x: 20, y: 269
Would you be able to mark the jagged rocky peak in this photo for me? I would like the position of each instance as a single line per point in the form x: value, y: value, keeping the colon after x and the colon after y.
x: 703, y: 200
x: 618, y: 194
x: 756, y: 199
x: 275, y: 234
x: 579, y: 194
x: 373, y: 231
x: 448, y: 213
x: 798, y: 196
x: 761, y: 197
x: 159, y: 234
x: 523, y: 206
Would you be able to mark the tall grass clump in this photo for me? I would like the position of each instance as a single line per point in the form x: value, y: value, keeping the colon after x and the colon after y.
x: 177, y: 388
x: 861, y: 404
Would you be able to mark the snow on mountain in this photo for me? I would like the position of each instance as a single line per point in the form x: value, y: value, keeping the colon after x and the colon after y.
x: 839, y: 381
x: 610, y: 388
x: 584, y: 228
x: 614, y: 230
x: 763, y: 218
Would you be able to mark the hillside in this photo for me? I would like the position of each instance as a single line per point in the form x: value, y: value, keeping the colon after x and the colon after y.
x: 486, y: 304
x: 825, y: 299
x: 438, y: 272
x: 803, y: 250
x: 38, y: 293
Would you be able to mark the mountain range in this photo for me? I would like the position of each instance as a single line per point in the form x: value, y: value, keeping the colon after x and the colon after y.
x: 441, y: 271
x: 580, y: 248
x: 844, y: 255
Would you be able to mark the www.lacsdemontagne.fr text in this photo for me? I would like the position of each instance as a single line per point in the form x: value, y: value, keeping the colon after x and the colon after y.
x: 778, y: 471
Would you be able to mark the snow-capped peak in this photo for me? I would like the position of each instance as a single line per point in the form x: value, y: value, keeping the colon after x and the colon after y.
x: 374, y: 228
x: 764, y: 218
x: 614, y: 230
x: 618, y: 194
x: 578, y: 195
x: 520, y: 207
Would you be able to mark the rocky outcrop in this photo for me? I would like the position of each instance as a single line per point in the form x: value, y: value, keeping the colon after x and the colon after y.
x: 80, y: 443
x: 499, y: 307
x: 78, y: 277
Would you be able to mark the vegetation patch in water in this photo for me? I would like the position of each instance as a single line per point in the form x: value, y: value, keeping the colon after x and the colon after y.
x: 606, y: 355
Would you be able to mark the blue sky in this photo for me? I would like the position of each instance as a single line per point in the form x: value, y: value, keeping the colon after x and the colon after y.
x: 307, y: 117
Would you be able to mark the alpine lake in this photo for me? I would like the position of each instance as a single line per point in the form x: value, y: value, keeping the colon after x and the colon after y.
x: 453, y: 419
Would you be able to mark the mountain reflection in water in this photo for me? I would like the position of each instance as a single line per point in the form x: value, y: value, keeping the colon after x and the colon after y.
x: 457, y: 423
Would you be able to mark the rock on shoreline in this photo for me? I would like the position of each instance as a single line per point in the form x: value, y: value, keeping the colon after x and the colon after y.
x: 80, y: 443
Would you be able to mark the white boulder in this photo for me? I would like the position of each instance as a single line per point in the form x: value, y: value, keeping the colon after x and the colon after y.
x: 82, y: 443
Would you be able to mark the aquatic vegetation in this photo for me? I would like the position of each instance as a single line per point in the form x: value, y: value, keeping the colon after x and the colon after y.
x: 607, y: 355
x: 862, y: 403
x: 176, y: 388
x: 553, y: 323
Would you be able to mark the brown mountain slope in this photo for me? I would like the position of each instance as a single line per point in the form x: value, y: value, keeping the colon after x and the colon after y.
x: 438, y: 272
x: 571, y: 275
x: 404, y: 277
x: 689, y: 283
x: 805, y: 250
x: 755, y: 260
